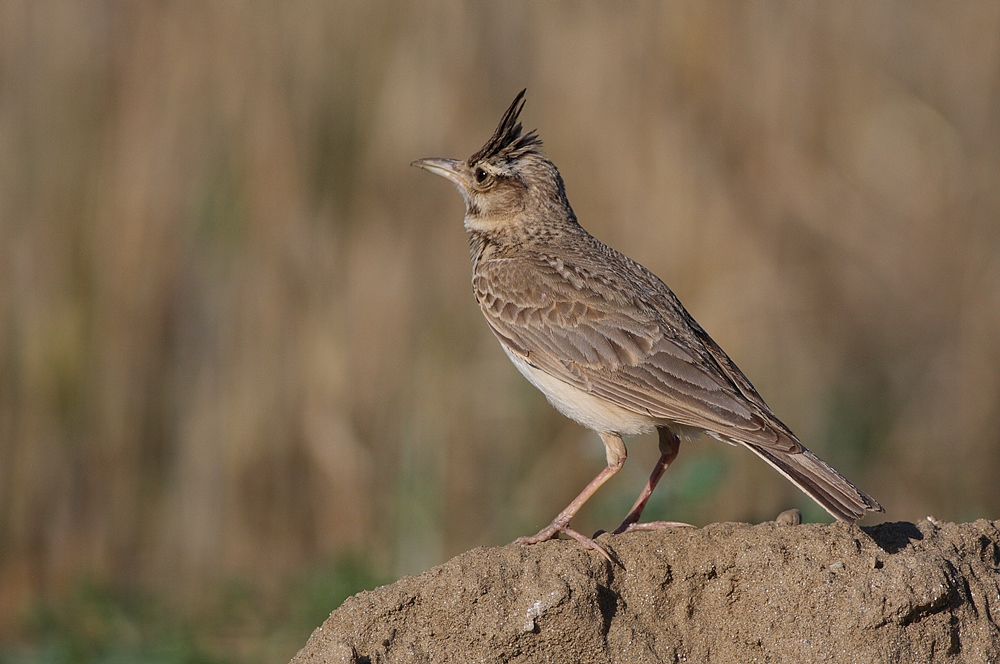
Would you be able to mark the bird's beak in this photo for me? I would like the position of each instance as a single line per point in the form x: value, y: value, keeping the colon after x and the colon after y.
x: 446, y: 168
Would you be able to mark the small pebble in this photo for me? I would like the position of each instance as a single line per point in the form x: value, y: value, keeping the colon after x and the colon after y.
x: 791, y: 517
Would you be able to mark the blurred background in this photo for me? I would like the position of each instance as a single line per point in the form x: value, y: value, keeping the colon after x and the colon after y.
x: 242, y: 373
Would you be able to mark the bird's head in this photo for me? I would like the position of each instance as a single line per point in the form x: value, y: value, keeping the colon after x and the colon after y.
x: 506, y: 178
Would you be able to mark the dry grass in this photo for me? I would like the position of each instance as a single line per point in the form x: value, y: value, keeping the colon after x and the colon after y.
x: 236, y: 333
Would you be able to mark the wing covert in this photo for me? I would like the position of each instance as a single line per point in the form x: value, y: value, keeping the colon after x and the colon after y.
x: 582, y: 331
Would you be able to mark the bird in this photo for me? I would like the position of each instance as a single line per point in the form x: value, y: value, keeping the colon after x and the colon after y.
x: 604, y: 339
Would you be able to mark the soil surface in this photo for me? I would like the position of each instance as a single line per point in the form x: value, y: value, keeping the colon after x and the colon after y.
x: 729, y: 592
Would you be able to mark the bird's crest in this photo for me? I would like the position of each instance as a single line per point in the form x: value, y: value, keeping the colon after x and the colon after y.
x: 507, y: 141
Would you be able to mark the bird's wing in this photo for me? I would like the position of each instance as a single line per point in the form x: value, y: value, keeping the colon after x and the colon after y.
x: 635, y: 347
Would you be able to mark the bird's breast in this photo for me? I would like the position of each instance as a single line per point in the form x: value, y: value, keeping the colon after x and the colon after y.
x: 592, y: 412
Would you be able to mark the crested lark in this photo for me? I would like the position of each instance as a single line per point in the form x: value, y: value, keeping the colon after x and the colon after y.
x: 602, y: 337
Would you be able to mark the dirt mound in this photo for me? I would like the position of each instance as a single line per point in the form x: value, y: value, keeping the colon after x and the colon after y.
x: 729, y: 592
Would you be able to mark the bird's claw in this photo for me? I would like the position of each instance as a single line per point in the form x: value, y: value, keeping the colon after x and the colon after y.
x: 552, y: 531
x: 629, y: 527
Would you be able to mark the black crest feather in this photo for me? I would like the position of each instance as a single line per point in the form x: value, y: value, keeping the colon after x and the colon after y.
x: 507, y: 140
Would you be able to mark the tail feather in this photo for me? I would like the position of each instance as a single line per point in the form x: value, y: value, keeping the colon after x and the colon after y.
x: 819, y: 481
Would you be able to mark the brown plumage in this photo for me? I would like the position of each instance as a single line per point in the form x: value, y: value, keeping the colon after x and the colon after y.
x: 604, y: 338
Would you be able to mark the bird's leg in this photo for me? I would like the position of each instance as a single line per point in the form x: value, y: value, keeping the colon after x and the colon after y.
x: 616, y: 452
x: 670, y: 444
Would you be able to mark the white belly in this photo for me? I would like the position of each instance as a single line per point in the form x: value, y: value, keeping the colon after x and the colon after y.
x: 592, y: 412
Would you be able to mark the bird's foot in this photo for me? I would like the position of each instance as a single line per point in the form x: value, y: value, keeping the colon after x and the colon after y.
x: 552, y: 531
x: 630, y: 526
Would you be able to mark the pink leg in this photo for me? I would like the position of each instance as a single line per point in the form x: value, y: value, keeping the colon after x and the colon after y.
x: 615, y: 449
x: 670, y: 444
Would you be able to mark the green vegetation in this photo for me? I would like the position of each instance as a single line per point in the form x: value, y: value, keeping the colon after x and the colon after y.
x: 96, y: 624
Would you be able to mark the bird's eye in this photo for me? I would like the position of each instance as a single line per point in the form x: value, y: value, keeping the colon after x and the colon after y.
x: 481, y: 175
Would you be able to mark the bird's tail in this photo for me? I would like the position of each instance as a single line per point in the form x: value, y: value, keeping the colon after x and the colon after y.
x: 826, y: 486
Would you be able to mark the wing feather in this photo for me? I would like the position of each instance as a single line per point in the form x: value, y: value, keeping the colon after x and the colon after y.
x: 644, y: 354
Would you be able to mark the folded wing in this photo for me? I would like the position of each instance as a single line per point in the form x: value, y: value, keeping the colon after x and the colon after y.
x: 580, y: 330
